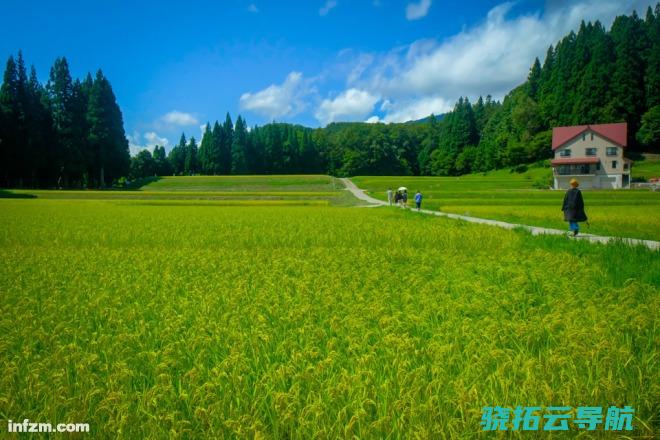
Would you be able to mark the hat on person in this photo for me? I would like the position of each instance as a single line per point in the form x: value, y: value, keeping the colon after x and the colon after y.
x: 574, y: 183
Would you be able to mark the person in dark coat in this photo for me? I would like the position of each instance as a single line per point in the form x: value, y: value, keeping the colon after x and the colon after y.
x: 573, y: 207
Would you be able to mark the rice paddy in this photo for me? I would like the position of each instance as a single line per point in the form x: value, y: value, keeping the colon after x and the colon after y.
x: 511, y: 197
x: 189, y: 318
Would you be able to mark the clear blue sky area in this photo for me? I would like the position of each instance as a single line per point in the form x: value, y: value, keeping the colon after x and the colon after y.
x: 176, y: 65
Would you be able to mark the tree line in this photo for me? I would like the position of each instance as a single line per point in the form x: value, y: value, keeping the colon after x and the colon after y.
x: 66, y: 133
x: 70, y: 133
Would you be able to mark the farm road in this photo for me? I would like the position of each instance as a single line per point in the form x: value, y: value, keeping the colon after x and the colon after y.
x: 535, y: 230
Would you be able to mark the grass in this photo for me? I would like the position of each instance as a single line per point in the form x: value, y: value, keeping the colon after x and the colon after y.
x: 230, y: 190
x: 277, y: 183
x: 647, y: 168
x: 507, y: 196
x: 193, y: 319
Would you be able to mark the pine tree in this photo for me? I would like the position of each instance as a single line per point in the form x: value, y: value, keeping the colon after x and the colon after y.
x: 533, y: 80
x: 205, y: 158
x: 630, y: 41
x: 106, y: 132
x: 9, y: 110
x: 60, y: 93
x: 652, y: 73
x: 239, y: 147
x: 177, y: 156
x: 225, y: 145
x: 190, y: 162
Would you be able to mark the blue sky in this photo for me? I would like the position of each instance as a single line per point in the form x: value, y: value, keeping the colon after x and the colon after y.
x: 176, y: 65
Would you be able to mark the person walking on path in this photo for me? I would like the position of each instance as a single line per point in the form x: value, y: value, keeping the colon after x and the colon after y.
x: 418, y: 200
x: 573, y: 207
x: 389, y: 196
x: 404, y: 197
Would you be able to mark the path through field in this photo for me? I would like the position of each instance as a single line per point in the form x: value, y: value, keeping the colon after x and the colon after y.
x: 535, y: 230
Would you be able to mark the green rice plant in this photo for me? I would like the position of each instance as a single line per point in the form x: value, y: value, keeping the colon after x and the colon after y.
x: 192, y: 319
x: 619, y: 213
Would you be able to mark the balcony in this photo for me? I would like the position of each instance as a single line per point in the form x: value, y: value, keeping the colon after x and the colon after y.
x: 587, y: 166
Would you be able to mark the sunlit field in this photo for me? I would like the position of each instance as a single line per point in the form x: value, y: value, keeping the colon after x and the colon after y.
x: 511, y: 197
x: 188, y: 319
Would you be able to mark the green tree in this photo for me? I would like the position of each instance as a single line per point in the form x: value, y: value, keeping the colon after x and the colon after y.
x: 225, y: 145
x: 649, y: 132
x: 106, y: 133
x: 177, y: 156
x: 143, y: 165
x: 239, y: 148
x: 190, y: 161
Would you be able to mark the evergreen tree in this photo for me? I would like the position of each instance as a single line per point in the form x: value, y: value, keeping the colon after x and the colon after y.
x: 630, y: 41
x: 60, y: 93
x: 190, y: 161
x: 239, y: 148
x: 161, y: 163
x: 205, y: 159
x: 106, y: 136
x: 177, y: 156
x: 652, y: 72
x: 533, y: 80
x: 225, y: 145
x: 10, y: 114
x: 215, y: 151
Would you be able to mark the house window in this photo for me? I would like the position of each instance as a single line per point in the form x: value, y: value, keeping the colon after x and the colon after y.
x: 625, y: 166
x: 612, y: 151
x: 584, y: 136
x: 591, y: 151
x: 592, y: 136
x: 614, y: 164
x: 565, y: 153
x: 598, y: 166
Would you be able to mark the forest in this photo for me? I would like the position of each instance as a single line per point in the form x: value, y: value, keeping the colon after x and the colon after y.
x: 69, y: 133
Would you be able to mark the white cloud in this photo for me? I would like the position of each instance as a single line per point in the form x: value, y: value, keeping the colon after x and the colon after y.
x: 253, y: 8
x: 492, y: 57
x: 373, y: 120
x: 147, y: 141
x: 350, y: 104
x: 278, y: 101
x: 329, y: 5
x: 414, y: 109
x: 415, y: 11
x: 153, y: 139
x: 179, y: 118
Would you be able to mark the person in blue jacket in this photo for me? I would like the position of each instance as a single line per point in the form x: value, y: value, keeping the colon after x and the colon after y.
x: 418, y: 200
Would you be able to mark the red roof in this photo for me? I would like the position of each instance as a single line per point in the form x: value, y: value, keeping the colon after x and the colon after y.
x: 617, y: 133
x: 575, y: 161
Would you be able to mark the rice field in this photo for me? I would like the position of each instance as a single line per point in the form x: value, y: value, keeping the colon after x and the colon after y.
x: 511, y: 197
x: 197, y: 319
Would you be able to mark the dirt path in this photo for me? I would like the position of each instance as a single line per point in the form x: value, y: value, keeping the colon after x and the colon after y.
x: 535, y: 230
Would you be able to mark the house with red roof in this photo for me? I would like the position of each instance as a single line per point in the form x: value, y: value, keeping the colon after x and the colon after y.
x: 592, y: 154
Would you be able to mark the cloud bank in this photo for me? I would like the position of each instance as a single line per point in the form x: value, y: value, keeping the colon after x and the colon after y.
x: 428, y: 76
x: 278, y: 101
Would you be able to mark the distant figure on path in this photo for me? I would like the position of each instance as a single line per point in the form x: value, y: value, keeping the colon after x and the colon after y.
x: 389, y: 196
x: 397, y: 197
x: 418, y: 200
x: 404, y: 197
x: 573, y: 207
